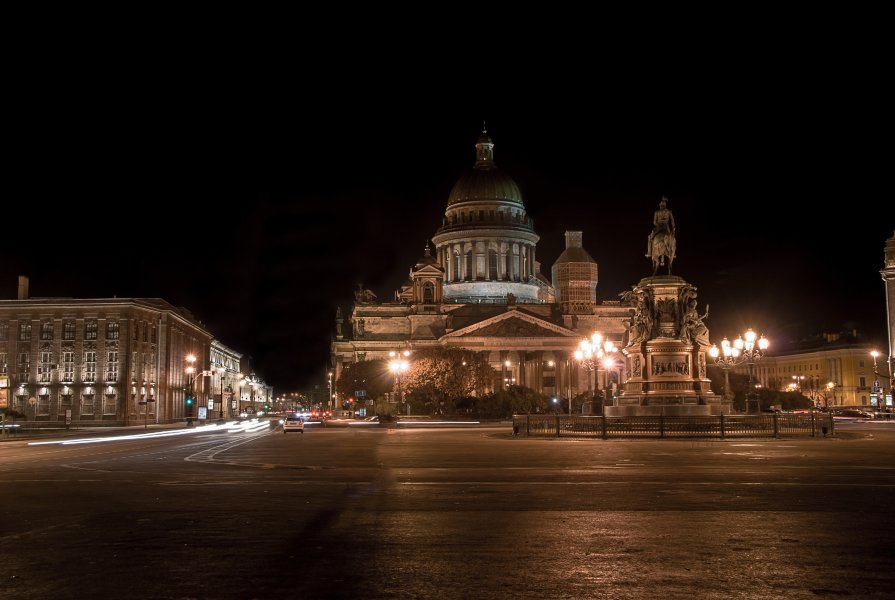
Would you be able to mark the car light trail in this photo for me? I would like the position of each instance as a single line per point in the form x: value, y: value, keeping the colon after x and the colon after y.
x: 252, y: 426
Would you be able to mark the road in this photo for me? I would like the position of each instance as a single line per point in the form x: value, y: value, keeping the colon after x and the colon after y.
x: 446, y: 513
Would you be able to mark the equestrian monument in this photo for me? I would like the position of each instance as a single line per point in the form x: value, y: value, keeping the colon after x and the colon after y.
x: 666, y: 341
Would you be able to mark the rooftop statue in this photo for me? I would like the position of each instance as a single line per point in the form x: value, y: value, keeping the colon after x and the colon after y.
x: 363, y: 295
x: 661, y: 243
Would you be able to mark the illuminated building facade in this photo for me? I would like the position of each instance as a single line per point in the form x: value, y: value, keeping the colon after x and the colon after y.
x: 104, y: 361
x: 481, y: 289
x: 834, y: 370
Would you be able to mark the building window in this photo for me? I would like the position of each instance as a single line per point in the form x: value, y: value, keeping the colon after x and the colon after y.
x: 87, y: 404
x: 110, y: 404
x: 112, y: 367
x: 456, y: 273
x: 68, y: 367
x: 862, y: 381
x: 46, y: 330
x: 3, y: 367
x: 428, y: 293
x: 64, y: 404
x: 549, y: 381
x: 43, y: 405
x: 492, y: 264
x: 112, y: 330
x: 24, y: 367
x: 4, y: 331
x: 68, y: 330
x: 25, y: 331
x: 468, y: 274
x: 44, y: 368
x: 90, y: 367
x: 152, y: 334
x: 90, y: 329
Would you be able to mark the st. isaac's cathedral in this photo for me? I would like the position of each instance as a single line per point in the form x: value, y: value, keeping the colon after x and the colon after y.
x: 481, y: 289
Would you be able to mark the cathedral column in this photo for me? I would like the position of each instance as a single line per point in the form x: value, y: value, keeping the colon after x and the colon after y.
x: 449, y: 266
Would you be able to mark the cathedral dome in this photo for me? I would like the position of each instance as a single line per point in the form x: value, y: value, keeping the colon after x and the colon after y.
x: 485, y: 181
x: 485, y: 185
x: 426, y: 259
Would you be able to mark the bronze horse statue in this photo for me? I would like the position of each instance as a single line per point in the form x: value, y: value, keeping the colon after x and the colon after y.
x: 662, y: 246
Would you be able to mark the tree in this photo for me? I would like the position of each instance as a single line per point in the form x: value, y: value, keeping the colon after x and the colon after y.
x: 439, y: 376
x: 515, y: 399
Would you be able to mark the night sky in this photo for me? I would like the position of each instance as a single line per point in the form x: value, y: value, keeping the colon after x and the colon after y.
x: 261, y: 223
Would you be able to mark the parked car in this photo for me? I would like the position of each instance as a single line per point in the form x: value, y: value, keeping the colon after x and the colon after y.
x: 293, y: 422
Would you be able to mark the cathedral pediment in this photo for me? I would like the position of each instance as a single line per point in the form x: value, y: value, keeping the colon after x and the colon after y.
x: 513, y: 324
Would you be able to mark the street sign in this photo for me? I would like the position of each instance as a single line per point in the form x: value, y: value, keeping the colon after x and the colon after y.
x: 360, y: 393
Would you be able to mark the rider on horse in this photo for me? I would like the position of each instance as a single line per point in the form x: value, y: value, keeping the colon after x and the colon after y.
x: 661, y: 241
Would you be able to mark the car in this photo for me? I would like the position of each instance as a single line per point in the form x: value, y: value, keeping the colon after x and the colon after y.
x: 853, y: 413
x: 293, y: 423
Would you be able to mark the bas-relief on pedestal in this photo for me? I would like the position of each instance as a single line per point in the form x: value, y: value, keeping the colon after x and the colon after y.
x: 666, y: 345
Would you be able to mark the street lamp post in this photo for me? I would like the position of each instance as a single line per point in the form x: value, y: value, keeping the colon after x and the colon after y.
x: 329, y: 401
x: 745, y: 349
x: 591, y: 354
x: 876, y: 386
x: 398, y: 365
x: 878, y: 389
x: 252, y: 393
x: 221, y: 371
x: 191, y: 376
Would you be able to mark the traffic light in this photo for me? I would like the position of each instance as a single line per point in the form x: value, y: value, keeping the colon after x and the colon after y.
x: 189, y: 400
x: 266, y: 406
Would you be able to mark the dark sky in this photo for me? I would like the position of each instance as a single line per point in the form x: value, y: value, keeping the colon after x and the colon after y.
x: 262, y: 219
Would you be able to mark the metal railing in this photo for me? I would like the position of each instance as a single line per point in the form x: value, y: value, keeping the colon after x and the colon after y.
x: 716, y: 426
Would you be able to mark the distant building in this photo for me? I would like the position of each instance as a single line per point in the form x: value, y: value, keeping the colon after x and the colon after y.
x: 107, y: 361
x: 225, y: 366
x: 482, y: 289
x: 833, y: 370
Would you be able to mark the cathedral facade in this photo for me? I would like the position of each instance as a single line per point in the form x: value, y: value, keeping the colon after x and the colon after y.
x: 481, y: 288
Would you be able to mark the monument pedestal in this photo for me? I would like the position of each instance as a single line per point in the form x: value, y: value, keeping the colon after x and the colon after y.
x: 666, y: 348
